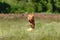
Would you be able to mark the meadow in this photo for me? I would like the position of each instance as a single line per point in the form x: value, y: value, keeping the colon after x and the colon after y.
x: 16, y: 29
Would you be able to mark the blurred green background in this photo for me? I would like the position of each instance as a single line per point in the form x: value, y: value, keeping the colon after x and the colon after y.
x: 29, y: 6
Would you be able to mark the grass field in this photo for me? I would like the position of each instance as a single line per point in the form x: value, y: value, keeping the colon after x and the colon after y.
x: 15, y: 29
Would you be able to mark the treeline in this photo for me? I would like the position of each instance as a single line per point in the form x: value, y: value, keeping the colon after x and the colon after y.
x: 29, y: 6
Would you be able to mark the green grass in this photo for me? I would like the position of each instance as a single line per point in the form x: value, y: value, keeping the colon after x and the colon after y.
x: 15, y: 29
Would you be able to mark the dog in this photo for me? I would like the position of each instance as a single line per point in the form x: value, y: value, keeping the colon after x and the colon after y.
x: 31, y: 20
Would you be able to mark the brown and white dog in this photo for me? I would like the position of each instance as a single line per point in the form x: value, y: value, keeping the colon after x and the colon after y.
x: 31, y: 20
